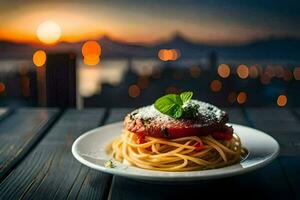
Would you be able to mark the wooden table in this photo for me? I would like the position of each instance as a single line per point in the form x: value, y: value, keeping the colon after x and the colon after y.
x: 36, y: 160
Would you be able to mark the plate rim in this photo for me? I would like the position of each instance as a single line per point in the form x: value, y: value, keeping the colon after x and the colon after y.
x: 112, y: 171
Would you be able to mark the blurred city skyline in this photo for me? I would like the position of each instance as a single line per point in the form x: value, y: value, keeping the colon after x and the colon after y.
x: 206, y: 21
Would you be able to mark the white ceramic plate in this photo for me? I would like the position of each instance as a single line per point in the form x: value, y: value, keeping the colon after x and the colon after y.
x: 90, y: 150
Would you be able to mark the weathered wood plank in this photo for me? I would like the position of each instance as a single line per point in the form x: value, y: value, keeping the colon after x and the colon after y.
x: 256, y: 185
x: 273, y: 119
x: 3, y: 113
x: 51, y: 172
x: 19, y: 132
x: 236, y: 116
x: 291, y: 166
x: 279, y: 123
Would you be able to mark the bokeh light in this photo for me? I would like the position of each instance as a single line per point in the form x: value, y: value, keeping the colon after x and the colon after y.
x: 216, y: 85
x: 172, y: 90
x: 25, y: 86
x: 231, y: 97
x: 48, y: 32
x: 287, y: 75
x: 2, y: 87
x: 253, y: 71
x: 195, y: 71
x: 134, y: 91
x: 224, y: 70
x: 242, y: 71
x: 297, y: 73
x: 281, y: 100
x: 168, y: 54
x: 91, y: 51
x: 143, y: 82
x: 241, y: 98
x: 39, y: 58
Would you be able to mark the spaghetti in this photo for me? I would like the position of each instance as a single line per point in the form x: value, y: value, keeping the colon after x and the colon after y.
x: 180, y: 154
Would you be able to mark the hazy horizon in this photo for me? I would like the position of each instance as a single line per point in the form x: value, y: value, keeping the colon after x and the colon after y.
x: 215, y: 22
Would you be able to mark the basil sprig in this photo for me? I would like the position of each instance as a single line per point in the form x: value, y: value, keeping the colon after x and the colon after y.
x: 171, y: 104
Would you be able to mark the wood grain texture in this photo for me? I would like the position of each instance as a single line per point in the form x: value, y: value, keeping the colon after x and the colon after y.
x: 51, y: 172
x: 19, y: 132
x: 256, y: 185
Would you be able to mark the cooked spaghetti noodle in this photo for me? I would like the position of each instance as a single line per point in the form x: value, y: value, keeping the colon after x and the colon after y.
x: 180, y: 154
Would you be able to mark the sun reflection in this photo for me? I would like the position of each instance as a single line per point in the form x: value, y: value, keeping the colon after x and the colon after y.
x: 48, y: 32
x: 39, y: 58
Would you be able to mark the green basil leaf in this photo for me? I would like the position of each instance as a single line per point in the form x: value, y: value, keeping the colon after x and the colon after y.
x: 186, y: 96
x: 170, y: 105
x: 178, y: 113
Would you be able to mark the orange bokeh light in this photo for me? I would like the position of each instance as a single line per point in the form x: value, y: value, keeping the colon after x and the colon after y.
x: 224, y: 70
x: 231, y: 97
x: 2, y: 87
x: 253, y: 71
x: 297, y: 73
x: 242, y: 97
x: 91, y: 51
x: 242, y: 71
x: 168, y: 54
x: 39, y: 58
x: 195, y: 71
x: 216, y: 85
x: 281, y: 100
x: 134, y: 91
x: 48, y: 32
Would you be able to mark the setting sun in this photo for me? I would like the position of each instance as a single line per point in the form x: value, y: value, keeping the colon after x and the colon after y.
x: 48, y: 32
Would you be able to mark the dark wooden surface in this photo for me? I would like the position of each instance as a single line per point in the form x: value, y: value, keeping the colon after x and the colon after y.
x: 36, y: 160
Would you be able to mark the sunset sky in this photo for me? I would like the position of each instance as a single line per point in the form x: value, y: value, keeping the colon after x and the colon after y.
x: 217, y: 21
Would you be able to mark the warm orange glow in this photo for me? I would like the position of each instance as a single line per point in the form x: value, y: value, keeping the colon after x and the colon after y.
x: 216, y: 85
x: 281, y: 100
x: 134, y: 91
x: 231, y: 97
x: 241, y: 98
x: 265, y: 79
x: 287, y: 75
x: 224, y: 70
x: 172, y: 90
x: 39, y: 58
x: 48, y: 32
x: 25, y: 85
x: 143, y: 82
x: 168, y: 54
x: 253, y: 71
x: 195, y: 71
x: 91, y: 62
x: 2, y: 87
x: 297, y: 73
x: 91, y: 51
x: 242, y: 71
